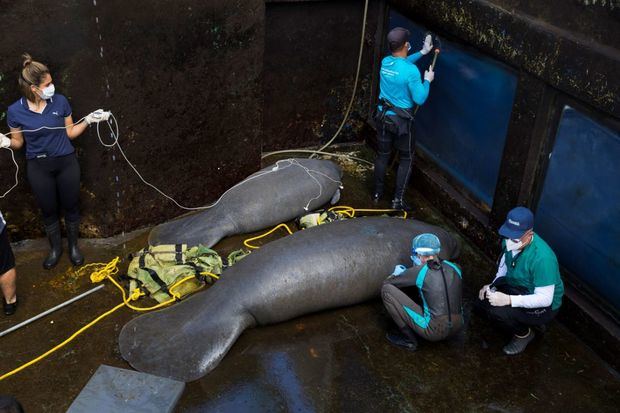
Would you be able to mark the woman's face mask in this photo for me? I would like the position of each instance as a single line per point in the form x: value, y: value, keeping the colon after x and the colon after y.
x: 48, y: 92
x: 416, y: 259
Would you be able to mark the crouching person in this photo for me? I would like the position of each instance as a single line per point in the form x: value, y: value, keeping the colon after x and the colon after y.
x: 438, y: 313
x: 527, y: 290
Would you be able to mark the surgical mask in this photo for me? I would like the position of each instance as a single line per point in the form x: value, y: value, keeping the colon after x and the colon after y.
x: 512, y: 245
x: 48, y: 92
x: 416, y: 260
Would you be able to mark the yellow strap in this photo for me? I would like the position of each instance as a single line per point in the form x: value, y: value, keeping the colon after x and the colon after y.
x: 61, y: 345
x: 350, y: 211
x: 107, y: 271
x: 247, y: 241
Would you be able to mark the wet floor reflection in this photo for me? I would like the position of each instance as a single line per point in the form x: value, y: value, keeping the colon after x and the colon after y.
x: 340, y: 361
x: 333, y: 361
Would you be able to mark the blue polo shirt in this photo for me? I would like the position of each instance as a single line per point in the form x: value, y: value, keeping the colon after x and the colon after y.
x: 400, y: 82
x: 49, y: 142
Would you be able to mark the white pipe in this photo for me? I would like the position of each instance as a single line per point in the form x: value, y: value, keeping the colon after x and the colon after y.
x: 51, y: 310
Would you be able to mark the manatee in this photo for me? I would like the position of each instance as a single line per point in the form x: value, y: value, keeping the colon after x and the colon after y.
x: 332, y: 265
x: 275, y: 194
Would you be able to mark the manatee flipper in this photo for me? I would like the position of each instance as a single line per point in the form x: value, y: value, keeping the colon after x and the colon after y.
x: 186, y: 341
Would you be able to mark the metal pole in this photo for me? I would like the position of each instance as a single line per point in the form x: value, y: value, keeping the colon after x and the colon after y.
x: 432, y: 68
x: 51, y: 310
x: 435, y: 59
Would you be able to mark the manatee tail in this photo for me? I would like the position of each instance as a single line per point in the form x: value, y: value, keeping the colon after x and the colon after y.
x: 206, y: 228
x: 186, y: 341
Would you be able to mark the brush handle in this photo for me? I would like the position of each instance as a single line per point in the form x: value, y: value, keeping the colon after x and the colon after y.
x: 434, y: 59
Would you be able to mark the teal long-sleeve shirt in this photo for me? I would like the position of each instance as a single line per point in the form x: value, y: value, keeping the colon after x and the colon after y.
x: 401, y: 82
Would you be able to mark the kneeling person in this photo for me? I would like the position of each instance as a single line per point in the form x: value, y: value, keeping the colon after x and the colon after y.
x: 439, y: 315
x: 527, y: 289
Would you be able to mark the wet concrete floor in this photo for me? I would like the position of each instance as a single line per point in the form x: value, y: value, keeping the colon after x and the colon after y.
x: 331, y: 361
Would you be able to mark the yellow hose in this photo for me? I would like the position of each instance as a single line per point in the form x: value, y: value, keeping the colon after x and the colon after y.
x: 107, y: 271
x: 350, y: 211
x: 339, y: 209
x: 247, y: 241
x: 61, y: 345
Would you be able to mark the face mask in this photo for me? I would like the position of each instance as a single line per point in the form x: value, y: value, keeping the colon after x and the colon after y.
x: 48, y: 92
x: 512, y: 245
x: 416, y: 260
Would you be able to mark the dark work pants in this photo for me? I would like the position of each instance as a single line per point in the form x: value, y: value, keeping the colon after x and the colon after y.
x: 7, y: 259
x: 515, y: 320
x: 55, y: 182
x: 438, y: 328
x: 405, y: 145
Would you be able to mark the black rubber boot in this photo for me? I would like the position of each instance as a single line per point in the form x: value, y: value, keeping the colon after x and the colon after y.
x: 399, y: 339
x: 9, y: 309
x: 399, y: 203
x: 73, y: 231
x: 518, y: 344
x: 55, y: 240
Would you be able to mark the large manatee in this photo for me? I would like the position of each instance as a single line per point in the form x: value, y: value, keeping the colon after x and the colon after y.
x: 328, y: 266
x: 275, y: 194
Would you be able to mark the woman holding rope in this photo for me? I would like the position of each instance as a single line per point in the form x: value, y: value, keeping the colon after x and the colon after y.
x: 42, y: 120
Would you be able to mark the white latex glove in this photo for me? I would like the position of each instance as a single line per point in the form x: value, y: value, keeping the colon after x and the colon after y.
x: 427, y: 46
x: 498, y: 299
x: 4, y: 141
x: 483, y: 291
x: 398, y: 270
x: 97, y: 116
x: 429, y: 75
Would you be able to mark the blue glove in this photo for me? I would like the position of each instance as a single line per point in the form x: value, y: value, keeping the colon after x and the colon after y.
x: 398, y: 270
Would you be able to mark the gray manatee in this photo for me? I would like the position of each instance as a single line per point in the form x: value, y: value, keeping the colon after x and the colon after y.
x: 275, y: 194
x: 333, y: 265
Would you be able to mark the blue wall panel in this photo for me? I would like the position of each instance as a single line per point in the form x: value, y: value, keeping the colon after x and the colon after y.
x: 463, y: 124
x: 579, y: 210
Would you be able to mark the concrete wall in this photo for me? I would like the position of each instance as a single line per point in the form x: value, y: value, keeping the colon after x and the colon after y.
x: 183, y: 78
x: 311, y: 53
x: 185, y: 81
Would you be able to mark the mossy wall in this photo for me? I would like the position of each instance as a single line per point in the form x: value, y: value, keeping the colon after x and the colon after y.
x: 182, y: 77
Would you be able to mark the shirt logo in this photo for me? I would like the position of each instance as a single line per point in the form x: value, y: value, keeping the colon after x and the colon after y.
x: 513, y: 222
x: 55, y: 113
x: 389, y: 72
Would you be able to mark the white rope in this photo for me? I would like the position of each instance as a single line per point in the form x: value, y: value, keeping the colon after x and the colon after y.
x: 115, y: 134
x: 346, y: 115
x: 13, y: 153
x: 16, y: 173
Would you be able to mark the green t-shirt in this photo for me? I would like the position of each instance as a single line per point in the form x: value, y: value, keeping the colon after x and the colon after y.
x: 535, y: 266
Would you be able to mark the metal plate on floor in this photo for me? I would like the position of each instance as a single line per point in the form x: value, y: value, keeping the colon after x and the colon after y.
x: 112, y: 389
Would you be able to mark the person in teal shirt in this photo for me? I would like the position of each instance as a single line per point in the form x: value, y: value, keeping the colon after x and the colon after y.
x: 527, y: 290
x: 401, y: 88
